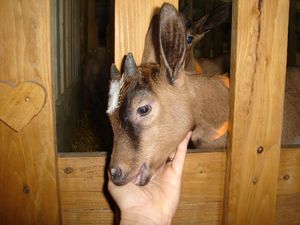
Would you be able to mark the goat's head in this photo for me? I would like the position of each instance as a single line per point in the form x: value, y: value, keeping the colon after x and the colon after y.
x: 148, y: 106
x: 196, y: 30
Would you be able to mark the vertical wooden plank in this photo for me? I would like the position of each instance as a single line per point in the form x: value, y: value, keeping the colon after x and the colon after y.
x: 257, y: 88
x: 69, y: 43
x: 77, y: 61
x: 77, y: 43
x: 66, y: 43
x: 61, y: 46
x: 83, y: 30
x: 71, y: 49
x: 69, y: 40
x: 132, y: 18
x: 55, y: 49
x: 28, y: 175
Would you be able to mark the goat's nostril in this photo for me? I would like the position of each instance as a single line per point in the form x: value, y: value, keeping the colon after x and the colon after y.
x: 115, y: 172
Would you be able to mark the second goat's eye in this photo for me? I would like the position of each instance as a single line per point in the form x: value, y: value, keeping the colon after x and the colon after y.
x: 144, y: 110
x: 189, y: 39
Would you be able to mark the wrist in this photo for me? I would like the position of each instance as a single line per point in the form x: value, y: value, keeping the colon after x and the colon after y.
x: 133, y: 219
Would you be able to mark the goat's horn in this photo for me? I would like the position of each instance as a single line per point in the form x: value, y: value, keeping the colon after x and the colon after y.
x: 130, y: 66
x: 114, y: 72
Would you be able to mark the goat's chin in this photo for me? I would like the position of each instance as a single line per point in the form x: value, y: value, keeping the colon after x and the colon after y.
x: 143, y: 176
x: 145, y: 173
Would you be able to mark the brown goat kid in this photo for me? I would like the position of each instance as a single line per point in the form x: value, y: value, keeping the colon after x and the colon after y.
x: 151, y: 102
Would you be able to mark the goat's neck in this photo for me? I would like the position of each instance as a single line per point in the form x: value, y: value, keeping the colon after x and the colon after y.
x: 209, y: 99
x: 191, y: 65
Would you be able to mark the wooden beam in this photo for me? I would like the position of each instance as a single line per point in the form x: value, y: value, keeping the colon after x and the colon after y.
x: 132, y: 19
x: 259, y: 49
x: 28, y: 182
x: 83, y: 200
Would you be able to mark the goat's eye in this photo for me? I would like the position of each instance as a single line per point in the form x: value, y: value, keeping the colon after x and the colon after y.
x: 189, y: 39
x: 144, y: 110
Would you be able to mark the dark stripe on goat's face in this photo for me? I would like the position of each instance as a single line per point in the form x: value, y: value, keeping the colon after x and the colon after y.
x: 130, y: 128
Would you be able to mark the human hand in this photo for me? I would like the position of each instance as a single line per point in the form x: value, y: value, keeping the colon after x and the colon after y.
x: 156, y: 202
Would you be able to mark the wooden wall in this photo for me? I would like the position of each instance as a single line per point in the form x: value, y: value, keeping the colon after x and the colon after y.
x: 28, y: 185
x: 83, y: 201
x: 259, y: 187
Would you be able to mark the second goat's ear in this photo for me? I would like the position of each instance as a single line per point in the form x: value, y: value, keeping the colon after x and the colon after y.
x: 151, y: 47
x: 211, y: 20
x: 172, y: 41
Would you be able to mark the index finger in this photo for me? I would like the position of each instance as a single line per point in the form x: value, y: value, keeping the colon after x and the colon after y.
x: 178, y: 161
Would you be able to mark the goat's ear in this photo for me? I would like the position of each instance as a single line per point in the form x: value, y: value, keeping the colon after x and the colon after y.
x: 211, y: 20
x: 172, y: 41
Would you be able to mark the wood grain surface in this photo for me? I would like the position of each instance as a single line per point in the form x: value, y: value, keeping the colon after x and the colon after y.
x: 132, y: 19
x: 82, y: 182
x: 28, y: 185
x: 258, y: 66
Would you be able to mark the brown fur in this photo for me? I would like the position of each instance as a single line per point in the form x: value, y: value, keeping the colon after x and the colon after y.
x: 179, y: 103
x: 177, y: 107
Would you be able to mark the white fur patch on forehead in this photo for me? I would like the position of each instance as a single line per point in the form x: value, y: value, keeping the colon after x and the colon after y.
x: 114, y: 94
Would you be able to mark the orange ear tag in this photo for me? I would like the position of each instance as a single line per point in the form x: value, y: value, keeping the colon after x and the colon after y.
x: 221, y: 131
x: 198, y: 68
x: 224, y: 77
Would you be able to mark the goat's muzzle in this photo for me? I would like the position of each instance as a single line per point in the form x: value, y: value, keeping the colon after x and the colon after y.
x: 119, y: 177
x: 115, y: 173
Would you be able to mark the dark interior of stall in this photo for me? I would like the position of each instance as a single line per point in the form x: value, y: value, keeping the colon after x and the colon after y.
x: 291, y: 112
x: 93, y: 131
